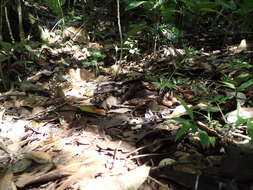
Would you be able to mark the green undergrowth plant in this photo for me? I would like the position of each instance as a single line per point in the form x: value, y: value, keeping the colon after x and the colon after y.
x: 167, y: 21
x: 190, y: 125
x: 238, y: 90
x: 131, y: 46
x: 242, y: 121
x: 241, y: 87
x: 96, y: 60
x: 13, y: 62
x: 56, y: 6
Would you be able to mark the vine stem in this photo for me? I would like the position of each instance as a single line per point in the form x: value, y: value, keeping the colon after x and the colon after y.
x: 121, y: 39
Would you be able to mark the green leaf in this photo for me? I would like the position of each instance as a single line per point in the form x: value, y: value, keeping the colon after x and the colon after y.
x: 55, y: 5
x: 163, y: 85
x: 158, y: 3
x: 187, y: 125
x: 250, y: 128
x: 98, y: 54
x: 182, y: 131
x: 86, y: 109
x: 4, y: 58
x: 19, y: 45
x: 6, y: 46
x: 188, y: 109
x: 20, y: 62
x: 245, y: 85
x: 135, y: 28
x: 240, y: 120
x: 208, y: 10
x: 182, y: 120
x: 227, y: 5
x: 204, y: 139
x: 229, y: 84
x: 134, y: 4
x: 212, y: 141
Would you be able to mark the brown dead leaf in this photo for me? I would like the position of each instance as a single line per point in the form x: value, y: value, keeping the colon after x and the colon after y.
x: 120, y: 110
x: 243, y: 112
x: 39, y: 157
x: 6, y: 181
x: 129, y: 181
x: 154, y: 107
x: 109, y: 102
x: 31, y: 100
x: 28, y: 179
x: 136, y: 101
x: 76, y: 34
x: 81, y: 74
x: 84, y: 174
x: 86, y: 75
x: 38, y: 75
x: 169, y: 100
x: 94, y: 46
x: 38, y: 109
x: 21, y: 165
x: 80, y: 169
x: 178, y: 111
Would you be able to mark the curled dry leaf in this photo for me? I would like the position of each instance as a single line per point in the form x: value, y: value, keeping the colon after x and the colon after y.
x: 109, y: 102
x: 39, y: 157
x: 166, y: 162
x: 38, y: 75
x: 179, y: 111
x: 20, y: 165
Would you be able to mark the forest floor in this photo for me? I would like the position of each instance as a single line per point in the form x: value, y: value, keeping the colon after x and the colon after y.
x: 162, y: 120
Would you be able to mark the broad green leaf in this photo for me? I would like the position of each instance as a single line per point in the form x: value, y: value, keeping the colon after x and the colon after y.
x: 204, y: 139
x: 212, y: 141
x: 250, y: 128
x: 158, y: 3
x: 182, y: 120
x: 98, y: 54
x: 20, y: 62
x: 5, y: 45
x: 229, y: 84
x: 194, y: 127
x: 246, y: 8
x: 134, y: 4
x: 4, y: 58
x: 227, y: 5
x: 240, y: 121
x: 55, y: 5
x: 245, y: 85
x: 135, y: 28
x: 208, y: 10
x: 19, y: 45
x: 182, y: 131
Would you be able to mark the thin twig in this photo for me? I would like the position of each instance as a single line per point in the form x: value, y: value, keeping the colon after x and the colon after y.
x: 115, y: 154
